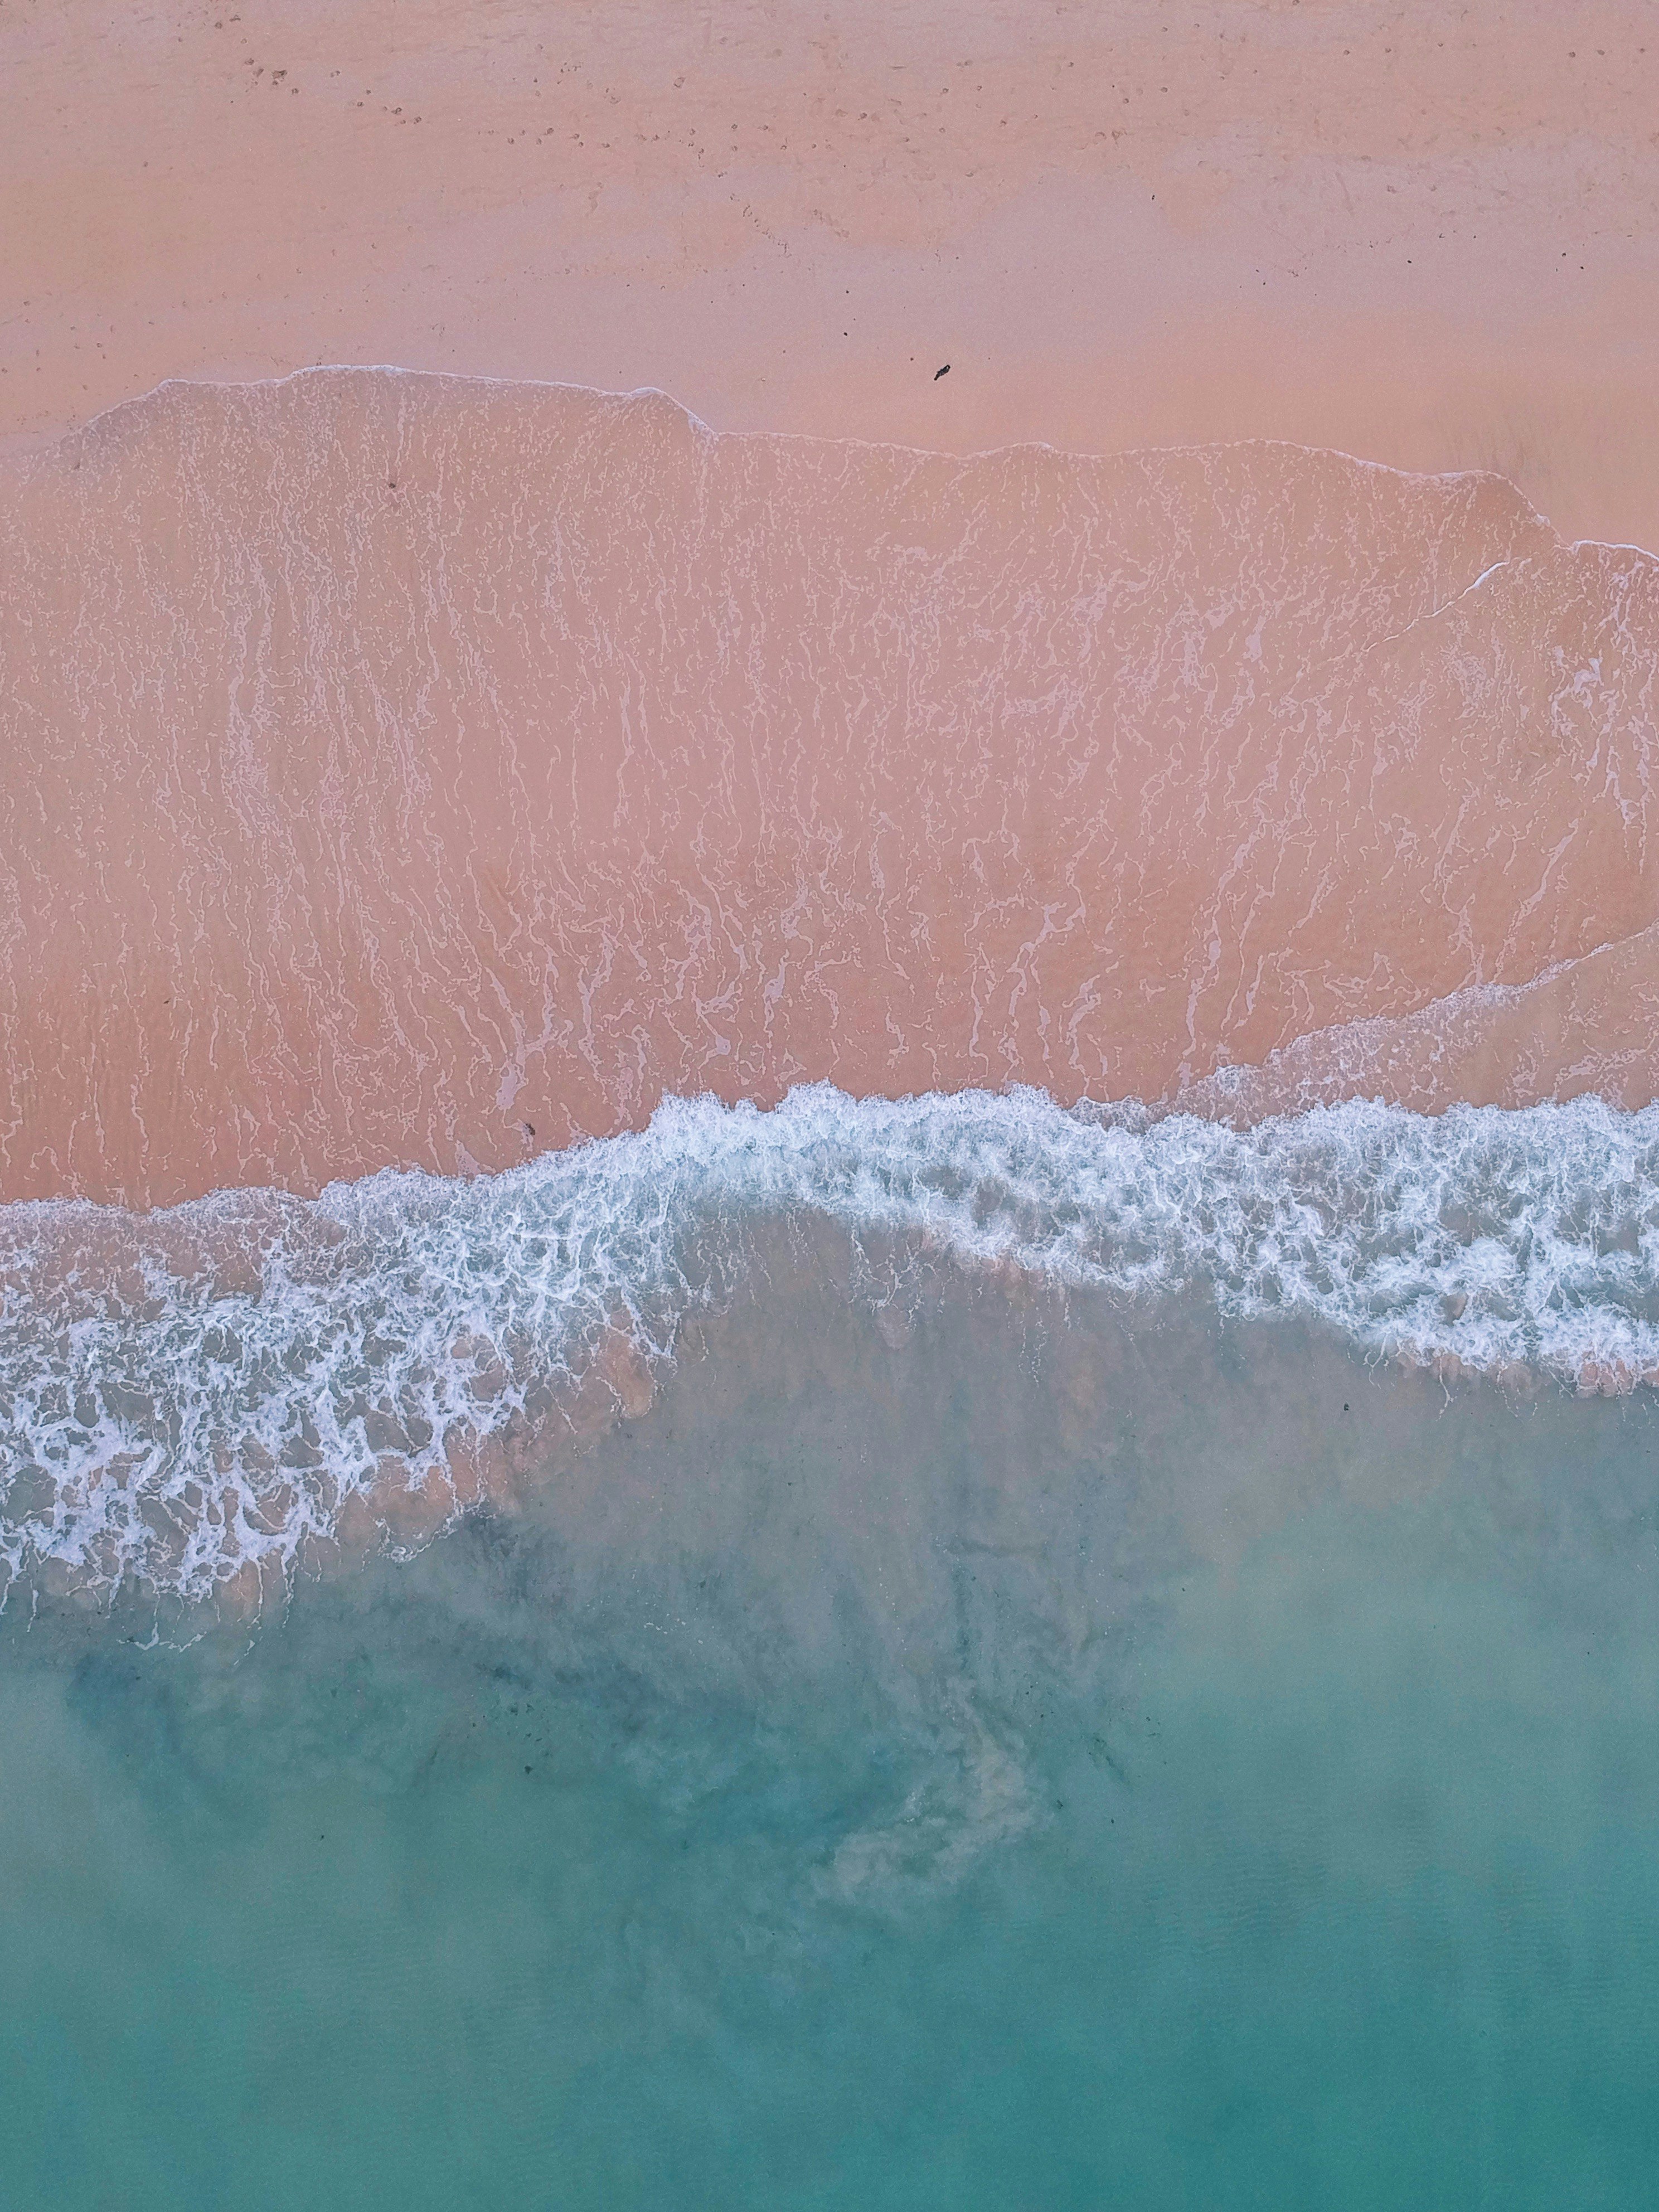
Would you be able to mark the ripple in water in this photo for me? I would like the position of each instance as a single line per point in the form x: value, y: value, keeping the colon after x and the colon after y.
x: 200, y: 1401
x: 998, y: 1741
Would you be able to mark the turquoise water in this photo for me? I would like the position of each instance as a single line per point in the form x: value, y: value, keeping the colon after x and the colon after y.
x: 1069, y: 1756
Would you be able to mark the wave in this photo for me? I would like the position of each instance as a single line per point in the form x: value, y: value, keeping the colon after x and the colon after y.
x: 199, y: 1401
x: 1588, y: 1024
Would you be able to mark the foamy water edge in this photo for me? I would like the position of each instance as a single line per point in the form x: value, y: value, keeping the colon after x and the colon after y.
x: 202, y: 1400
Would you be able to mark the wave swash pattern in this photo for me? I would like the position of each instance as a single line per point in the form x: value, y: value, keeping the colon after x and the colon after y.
x: 419, y: 772
x: 196, y: 1400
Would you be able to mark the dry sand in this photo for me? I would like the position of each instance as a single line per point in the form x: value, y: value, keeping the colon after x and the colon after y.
x: 1427, y: 233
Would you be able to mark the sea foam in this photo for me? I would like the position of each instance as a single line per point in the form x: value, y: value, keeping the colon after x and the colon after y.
x: 190, y: 1395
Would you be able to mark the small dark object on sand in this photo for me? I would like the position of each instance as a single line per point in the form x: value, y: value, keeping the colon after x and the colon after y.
x: 937, y: 373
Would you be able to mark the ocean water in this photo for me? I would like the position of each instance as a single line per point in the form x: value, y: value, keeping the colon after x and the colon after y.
x: 996, y: 1658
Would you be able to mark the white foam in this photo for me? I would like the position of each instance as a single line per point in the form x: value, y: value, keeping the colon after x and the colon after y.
x: 183, y: 1392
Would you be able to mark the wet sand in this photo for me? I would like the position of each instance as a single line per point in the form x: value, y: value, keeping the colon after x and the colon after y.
x: 411, y: 769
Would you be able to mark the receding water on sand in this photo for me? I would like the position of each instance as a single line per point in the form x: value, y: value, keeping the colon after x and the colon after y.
x: 1045, y: 1752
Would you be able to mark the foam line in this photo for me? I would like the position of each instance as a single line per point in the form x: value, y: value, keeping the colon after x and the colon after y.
x: 190, y: 1394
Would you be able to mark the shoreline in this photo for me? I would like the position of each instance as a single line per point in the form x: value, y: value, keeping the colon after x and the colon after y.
x: 1430, y: 243
x: 466, y: 772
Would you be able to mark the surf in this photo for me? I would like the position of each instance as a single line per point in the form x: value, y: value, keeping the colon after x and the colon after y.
x: 214, y: 1395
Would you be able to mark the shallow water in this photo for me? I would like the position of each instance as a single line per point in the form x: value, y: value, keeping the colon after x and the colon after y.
x: 1060, y: 1751
x: 423, y: 770
x: 206, y: 1397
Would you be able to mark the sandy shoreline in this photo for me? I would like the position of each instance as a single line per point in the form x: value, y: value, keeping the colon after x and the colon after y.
x: 1424, y: 239
x: 409, y: 769
x: 414, y: 770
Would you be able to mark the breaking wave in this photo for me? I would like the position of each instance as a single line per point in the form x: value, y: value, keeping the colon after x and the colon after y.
x: 201, y: 1395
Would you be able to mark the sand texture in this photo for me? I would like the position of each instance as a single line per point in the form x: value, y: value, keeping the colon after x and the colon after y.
x: 404, y: 768
x: 1423, y: 233
x: 435, y: 763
